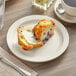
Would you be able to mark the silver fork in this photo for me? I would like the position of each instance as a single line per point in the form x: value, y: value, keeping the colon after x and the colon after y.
x: 17, y: 68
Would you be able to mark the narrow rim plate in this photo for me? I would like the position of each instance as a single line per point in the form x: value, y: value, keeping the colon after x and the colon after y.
x: 51, y: 50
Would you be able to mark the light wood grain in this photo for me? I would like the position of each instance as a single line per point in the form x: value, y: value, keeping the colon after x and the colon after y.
x: 65, y: 65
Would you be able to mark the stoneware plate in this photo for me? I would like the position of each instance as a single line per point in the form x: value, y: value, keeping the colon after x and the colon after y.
x: 65, y: 17
x: 51, y: 50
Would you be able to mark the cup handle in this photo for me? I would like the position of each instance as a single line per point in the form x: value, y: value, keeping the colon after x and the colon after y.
x: 60, y: 9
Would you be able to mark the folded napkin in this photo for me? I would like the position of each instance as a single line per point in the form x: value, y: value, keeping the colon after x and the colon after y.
x: 6, y: 70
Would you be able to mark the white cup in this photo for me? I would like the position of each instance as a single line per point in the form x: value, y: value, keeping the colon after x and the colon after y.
x: 69, y: 9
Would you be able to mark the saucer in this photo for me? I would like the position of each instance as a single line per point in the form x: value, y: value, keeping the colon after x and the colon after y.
x: 65, y: 17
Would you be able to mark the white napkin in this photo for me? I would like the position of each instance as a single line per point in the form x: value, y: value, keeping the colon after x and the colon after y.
x: 6, y: 70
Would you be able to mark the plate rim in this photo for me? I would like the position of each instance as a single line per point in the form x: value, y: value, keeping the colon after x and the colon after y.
x: 44, y: 60
x: 55, y: 6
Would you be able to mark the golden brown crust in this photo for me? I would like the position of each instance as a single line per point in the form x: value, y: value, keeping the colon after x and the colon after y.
x: 41, y: 26
x: 23, y: 42
x: 38, y: 29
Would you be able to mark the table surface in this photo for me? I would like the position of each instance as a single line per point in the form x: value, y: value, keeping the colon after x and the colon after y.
x: 65, y: 65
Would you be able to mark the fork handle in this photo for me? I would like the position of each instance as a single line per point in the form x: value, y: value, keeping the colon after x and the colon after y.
x: 20, y: 70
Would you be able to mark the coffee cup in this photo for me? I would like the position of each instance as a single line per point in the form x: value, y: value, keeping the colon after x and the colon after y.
x: 69, y: 6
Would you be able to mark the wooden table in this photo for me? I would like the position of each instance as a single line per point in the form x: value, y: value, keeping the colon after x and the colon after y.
x: 65, y: 65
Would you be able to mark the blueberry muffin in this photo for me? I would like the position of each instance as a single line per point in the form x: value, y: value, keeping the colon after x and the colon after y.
x: 26, y: 45
x: 44, y: 30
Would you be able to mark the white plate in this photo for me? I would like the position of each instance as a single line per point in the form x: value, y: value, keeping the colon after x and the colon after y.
x: 65, y: 17
x: 51, y: 50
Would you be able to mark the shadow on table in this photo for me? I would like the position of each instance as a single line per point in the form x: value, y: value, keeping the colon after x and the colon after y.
x: 11, y: 2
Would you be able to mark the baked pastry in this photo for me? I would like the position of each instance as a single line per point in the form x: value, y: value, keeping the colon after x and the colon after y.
x: 26, y: 45
x: 44, y: 30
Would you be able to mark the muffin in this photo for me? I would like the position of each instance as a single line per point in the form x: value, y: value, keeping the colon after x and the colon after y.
x: 26, y: 45
x: 44, y: 30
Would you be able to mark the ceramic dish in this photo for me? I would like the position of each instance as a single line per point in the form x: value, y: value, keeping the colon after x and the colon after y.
x: 56, y: 45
